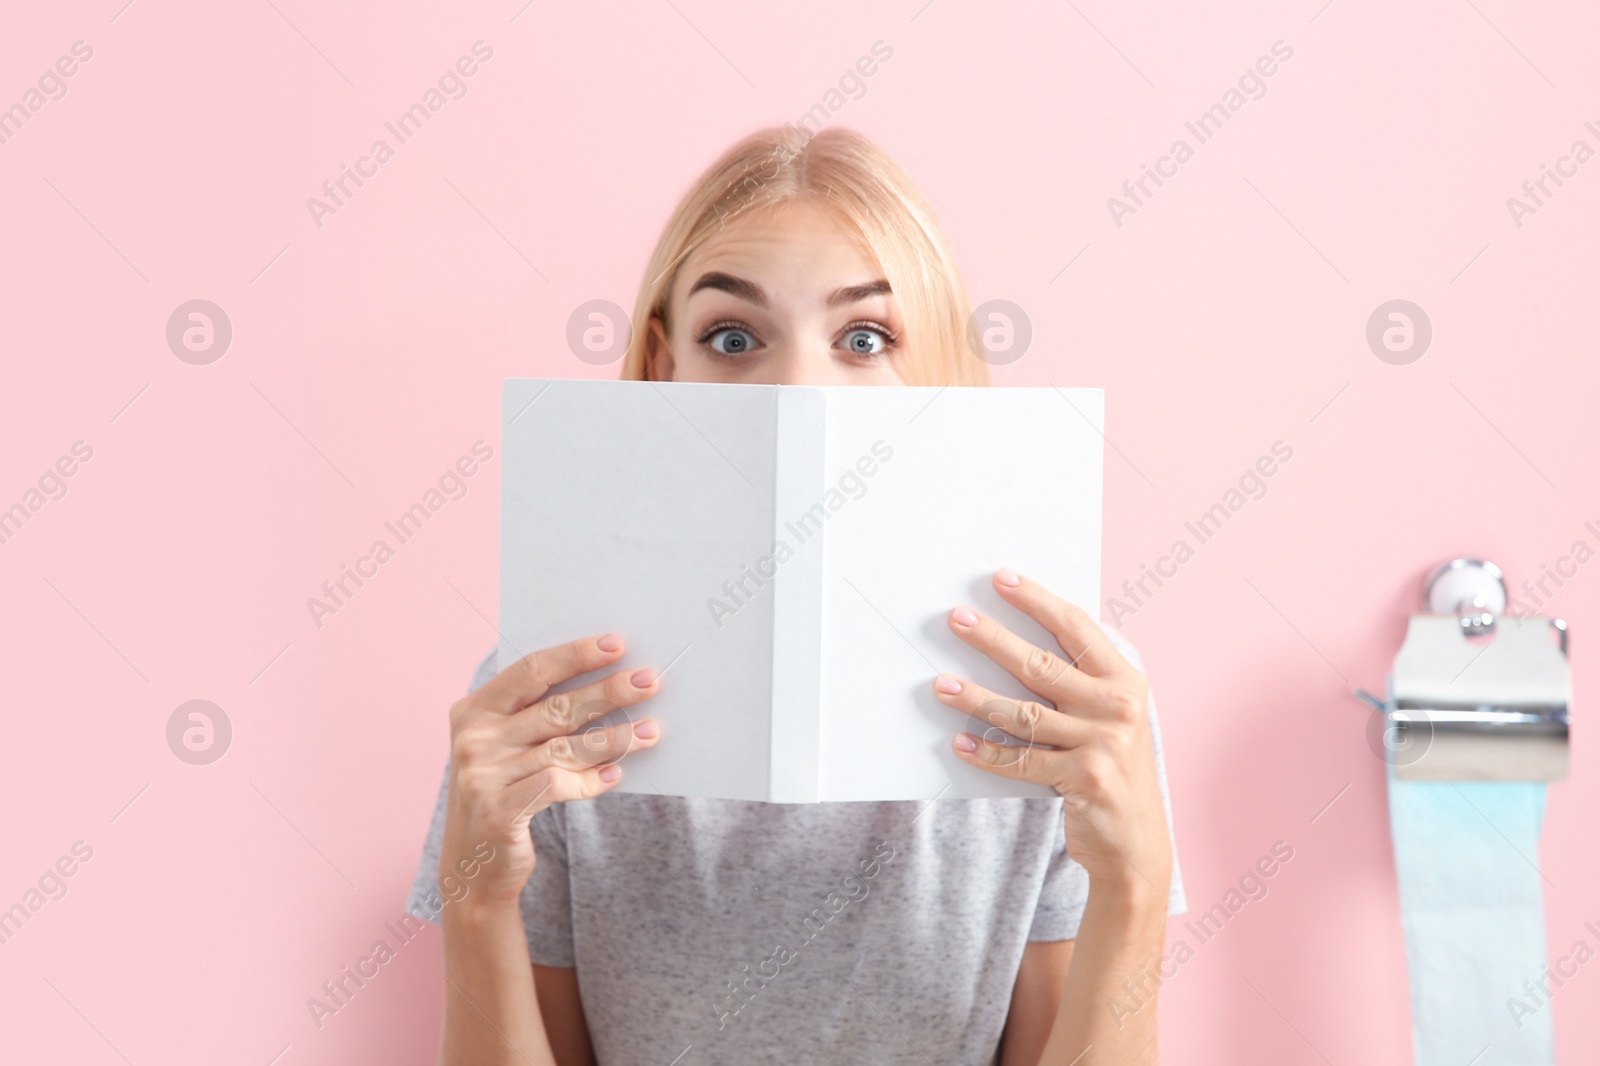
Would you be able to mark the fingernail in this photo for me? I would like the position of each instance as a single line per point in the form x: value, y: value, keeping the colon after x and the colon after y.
x: 1008, y: 577
x: 608, y: 774
x: 645, y: 730
x: 643, y: 678
x: 966, y: 743
x: 610, y: 642
x: 964, y: 617
x: 948, y: 685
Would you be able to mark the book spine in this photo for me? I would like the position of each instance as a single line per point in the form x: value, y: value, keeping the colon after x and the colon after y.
x: 797, y: 596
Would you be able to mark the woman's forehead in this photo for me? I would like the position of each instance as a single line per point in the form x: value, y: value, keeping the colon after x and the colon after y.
x: 798, y: 248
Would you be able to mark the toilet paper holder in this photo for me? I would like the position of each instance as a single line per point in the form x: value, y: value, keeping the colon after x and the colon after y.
x: 1475, y: 694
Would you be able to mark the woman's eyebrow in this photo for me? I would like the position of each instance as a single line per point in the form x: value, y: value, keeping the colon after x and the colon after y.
x: 744, y: 290
x: 853, y: 293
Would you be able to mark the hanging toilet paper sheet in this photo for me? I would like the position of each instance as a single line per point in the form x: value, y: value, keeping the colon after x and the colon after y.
x: 1472, y: 906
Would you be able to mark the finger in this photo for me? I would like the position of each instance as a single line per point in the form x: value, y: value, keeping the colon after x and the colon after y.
x: 1020, y: 763
x: 1042, y: 671
x: 592, y: 747
x: 1026, y: 720
x: 564, y: 713
x: 533, y: 794
x: 1079, y: 635
x: 531, y: 676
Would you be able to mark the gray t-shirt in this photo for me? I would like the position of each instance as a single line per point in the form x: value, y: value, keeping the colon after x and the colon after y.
x: 728, y: 931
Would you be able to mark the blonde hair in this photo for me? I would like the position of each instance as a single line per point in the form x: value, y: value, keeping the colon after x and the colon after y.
x: 845, y: 171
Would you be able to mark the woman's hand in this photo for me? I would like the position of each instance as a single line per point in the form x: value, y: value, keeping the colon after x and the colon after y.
x: 1098, y: 718
x: 516, y: 747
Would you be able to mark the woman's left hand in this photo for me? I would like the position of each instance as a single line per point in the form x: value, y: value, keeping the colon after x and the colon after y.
x: 1096, y: 717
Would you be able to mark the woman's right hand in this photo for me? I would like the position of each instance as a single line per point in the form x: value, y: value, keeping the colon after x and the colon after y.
x: 516, y: 747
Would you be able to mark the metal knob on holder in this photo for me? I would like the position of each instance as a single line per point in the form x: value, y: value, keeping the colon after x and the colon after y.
x: 1474, y: 590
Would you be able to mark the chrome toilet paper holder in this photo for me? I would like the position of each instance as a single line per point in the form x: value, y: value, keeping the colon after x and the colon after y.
x: 1465, y: 709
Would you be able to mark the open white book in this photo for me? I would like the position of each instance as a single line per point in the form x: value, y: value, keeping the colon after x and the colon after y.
x: 788, y: 555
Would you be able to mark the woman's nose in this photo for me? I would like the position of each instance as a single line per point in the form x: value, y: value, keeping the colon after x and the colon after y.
x: 807, y: 365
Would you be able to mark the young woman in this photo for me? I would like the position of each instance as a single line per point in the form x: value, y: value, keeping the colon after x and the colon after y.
x: 626, y: 929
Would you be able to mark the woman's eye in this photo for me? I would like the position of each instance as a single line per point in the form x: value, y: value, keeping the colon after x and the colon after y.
x: 865, y: 341
x: 731, y: 341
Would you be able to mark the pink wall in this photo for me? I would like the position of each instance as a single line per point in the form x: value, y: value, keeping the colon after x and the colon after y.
x: 1224, y: 314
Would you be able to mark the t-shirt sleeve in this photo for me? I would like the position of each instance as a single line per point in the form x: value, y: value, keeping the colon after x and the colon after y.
x: 547, y: 897
x: 1059, y: 910
x: 425, y: 901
